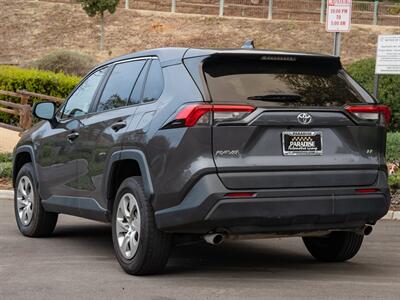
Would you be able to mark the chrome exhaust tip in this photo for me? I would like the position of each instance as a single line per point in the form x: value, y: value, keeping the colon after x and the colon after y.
x: 214, y: 238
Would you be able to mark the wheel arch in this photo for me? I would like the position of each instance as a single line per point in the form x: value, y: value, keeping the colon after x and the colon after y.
x: 128, y: 159
x: 23, y: 155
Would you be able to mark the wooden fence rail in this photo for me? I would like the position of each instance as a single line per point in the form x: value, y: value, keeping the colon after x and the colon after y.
x: 22, y: 109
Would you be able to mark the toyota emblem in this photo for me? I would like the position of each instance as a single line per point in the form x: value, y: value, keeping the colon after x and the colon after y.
x: 304, y: 118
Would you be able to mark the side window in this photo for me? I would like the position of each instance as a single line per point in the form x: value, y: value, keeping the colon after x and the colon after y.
x: 120, y: 85
x: 136, y: 96
x: 79, y: 103
x: 154, y: 83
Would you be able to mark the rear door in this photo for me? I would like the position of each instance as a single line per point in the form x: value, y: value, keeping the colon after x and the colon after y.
x: 103, y: 130
x: 303, y: 130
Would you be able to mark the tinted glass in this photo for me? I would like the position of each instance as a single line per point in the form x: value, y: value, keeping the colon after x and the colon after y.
x: 79, y: 103
x: 279, y: 81
x: 154, y: 83
x: 120, y: 84
x: 136, y: 96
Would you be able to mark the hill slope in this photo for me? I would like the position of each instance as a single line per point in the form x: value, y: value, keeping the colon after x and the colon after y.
x: 29, y: 29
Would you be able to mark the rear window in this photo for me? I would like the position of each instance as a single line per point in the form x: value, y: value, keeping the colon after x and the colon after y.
x: 265, y: 80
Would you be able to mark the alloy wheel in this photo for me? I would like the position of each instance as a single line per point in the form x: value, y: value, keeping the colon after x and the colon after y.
x: 128, y: 225
x: 25, y: 200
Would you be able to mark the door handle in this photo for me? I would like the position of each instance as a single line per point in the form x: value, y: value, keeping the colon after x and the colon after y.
x: 72, y: 136
x: 118, y: 126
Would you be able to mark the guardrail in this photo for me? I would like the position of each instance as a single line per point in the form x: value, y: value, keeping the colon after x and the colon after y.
x: 23, y: 109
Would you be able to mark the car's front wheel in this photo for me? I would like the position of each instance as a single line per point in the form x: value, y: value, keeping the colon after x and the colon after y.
x: 31, y: 218
x: 141, y: 248
x: 338, y: 246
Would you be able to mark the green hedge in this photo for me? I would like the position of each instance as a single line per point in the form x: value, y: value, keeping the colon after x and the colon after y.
x: 393, y: 147
x: 5, y: 165
x: 389, y: 86
x: 43, y: 82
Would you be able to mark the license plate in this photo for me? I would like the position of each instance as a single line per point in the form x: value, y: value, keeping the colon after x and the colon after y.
x: 302, y: 143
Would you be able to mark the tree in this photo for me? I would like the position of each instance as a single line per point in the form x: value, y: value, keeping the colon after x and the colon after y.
x: 99, y: 7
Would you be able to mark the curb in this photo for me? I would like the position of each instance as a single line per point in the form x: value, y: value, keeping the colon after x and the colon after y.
x: 6, y: 195
x: 391, y: 215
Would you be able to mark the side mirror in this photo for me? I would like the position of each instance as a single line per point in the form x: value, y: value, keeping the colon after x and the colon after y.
x: 44, y: 110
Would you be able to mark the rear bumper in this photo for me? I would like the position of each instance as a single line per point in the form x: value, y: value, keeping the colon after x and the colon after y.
x: 286, y: 211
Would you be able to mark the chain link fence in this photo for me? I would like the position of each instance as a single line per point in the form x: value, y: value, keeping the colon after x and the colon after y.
x: 378, y: 13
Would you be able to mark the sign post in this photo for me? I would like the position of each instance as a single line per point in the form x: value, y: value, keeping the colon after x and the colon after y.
x: 338, y: 20
x: 387, y: 58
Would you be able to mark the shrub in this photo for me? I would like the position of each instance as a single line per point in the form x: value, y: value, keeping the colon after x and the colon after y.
x: 43, y: 82
x: 5, y: 165
x: 394, y: 182
x: 68, y: 62
x: 393, y: 147
x: 394, y: 10
x: 5, y: 157
x: 389, y: 92
x: 5, y: 170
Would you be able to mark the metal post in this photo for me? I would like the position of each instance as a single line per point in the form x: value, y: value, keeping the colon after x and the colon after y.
x: 336, y: 43
x: 173, y: 6
x: 376, y: 12
x: 126, y: 4
x: 270, y: 6
x: 323, y: 10
x: 376, y: 86
x: 221, y: 8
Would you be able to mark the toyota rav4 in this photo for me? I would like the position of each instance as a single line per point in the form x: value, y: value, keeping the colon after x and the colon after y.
x: 177, y: 144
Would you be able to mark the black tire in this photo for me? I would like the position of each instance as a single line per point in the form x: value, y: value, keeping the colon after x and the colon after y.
x: 338, y: 246
x: 154, y: 246
x: 42, y: 223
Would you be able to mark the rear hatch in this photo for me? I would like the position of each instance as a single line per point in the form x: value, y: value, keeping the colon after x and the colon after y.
x: 290, y: 121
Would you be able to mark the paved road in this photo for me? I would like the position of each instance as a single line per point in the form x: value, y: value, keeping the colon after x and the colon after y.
x: 78, y: 263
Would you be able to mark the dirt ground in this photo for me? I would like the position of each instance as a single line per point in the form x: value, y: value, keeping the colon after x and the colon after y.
x: 8, y: 139
x: 30, y: 29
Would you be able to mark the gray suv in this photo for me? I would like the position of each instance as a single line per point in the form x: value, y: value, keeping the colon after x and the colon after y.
x: 176, y: 145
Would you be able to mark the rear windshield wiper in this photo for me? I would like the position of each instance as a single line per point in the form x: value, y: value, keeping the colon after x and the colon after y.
x: 277, y: 97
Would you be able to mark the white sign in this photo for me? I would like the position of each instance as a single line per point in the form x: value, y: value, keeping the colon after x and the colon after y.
x: 338, y: 16
x: 388, y: 55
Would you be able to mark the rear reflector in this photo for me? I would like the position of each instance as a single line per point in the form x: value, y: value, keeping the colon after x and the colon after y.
x: 370, y: 112
x: 200, y: 114
x: 240, y: 195
x: 366, y: 191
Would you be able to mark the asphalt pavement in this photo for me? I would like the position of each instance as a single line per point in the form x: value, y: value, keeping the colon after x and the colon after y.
x: 78, y: 262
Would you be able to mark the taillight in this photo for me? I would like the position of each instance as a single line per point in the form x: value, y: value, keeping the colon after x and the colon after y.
x: 370, y: 112
x: 201, y: 114
x: 231, y: 112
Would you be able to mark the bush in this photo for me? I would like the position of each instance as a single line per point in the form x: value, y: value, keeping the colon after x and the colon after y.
x: 5, y: 170
x: 5, y: 165
x: 394, y: 182
x: 68, y: 62
x: 393, y: 147
x: 389, y: 92
x: 5, y: 157
x: 43, y: 82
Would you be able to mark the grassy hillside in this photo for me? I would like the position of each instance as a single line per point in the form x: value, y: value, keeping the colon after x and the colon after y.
x: 30, y: 29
